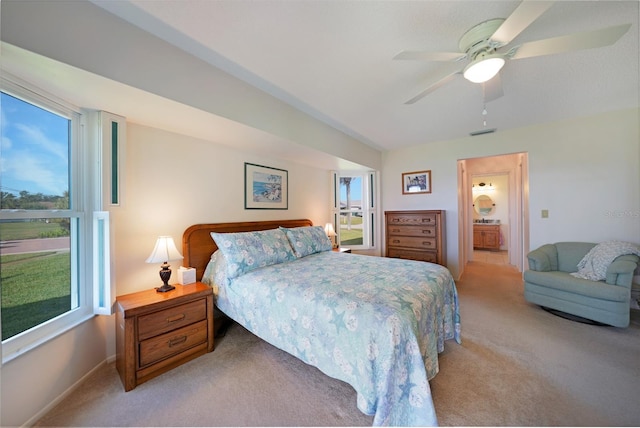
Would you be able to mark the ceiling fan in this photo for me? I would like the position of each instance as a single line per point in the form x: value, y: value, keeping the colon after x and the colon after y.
x: 484, y: 48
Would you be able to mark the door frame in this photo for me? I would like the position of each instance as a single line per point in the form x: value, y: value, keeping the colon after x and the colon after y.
x: 516, y: 166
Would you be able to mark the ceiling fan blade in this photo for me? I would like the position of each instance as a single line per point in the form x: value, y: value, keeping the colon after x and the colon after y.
x: 430, y: 56
x: 492, y: 89
x: 437, y: 85
x: 521, y: 18
x: 572, y: 42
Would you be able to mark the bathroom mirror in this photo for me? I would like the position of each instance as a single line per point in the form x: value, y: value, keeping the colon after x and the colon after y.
x: 483, y: 205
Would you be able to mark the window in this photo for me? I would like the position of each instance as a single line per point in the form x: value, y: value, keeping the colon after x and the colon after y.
x: 354, y: 209
x: 46, y: 218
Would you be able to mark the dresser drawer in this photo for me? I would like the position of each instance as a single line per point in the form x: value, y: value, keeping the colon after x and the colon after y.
x: 429, y: 231
x: 169, y: 319
x: 423, y: 256
x: 411, y: 219
x: 425, y: 243
x: 174, y: 342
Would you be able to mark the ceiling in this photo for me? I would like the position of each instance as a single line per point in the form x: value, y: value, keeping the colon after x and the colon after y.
x: 333, y: 60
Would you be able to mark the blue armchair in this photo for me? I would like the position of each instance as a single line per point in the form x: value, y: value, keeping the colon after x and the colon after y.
x: 548, y: 283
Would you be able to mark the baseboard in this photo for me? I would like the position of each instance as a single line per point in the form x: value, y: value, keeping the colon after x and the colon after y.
x: 35, y: 418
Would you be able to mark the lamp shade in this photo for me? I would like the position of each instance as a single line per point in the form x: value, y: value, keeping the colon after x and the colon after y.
x: 164, y: 251
x: 328, y: 229
x: 483, y: 68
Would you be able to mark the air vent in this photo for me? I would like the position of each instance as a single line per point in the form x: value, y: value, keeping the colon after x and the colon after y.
x: 482, y: 131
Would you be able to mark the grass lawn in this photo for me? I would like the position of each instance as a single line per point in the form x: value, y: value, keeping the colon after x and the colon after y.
x: 36, y: 287
x: 351, y: 236
x: 12, y: 231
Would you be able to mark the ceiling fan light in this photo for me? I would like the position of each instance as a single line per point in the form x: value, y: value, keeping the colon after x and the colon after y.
x: 484, y: 68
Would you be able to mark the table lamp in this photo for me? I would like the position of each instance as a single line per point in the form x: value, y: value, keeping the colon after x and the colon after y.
x: 164, y: 251
x: 328, y: 229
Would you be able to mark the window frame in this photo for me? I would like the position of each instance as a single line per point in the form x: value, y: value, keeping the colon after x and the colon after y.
x: 81, y: 193
x: 369, y: 207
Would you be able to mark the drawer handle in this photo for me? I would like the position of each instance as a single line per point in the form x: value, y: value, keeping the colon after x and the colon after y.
x: 177, y: 341
x: 426, y: 232
x: 395, y: 230
x: 176, y: 318
x: 395, y: 220
x: 426, y: 243
x: 396, y: 241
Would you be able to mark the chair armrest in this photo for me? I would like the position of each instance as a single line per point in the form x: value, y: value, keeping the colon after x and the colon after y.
x: 544, y: 259
x: 620, y: 271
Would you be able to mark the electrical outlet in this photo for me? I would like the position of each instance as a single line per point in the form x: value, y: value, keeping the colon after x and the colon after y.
x: 545, y: 213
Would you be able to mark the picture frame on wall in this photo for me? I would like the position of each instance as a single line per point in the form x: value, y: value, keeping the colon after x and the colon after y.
x: 416, y: 182
x: 265, y: 188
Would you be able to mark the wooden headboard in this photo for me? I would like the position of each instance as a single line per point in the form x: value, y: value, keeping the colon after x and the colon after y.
x: 198, y: 246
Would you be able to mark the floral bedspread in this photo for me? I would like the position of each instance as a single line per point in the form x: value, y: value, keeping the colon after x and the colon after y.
x: 376, y: 323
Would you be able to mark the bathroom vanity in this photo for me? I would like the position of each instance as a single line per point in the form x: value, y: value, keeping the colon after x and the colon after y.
x: 486, y: 236
x: 486, y: 232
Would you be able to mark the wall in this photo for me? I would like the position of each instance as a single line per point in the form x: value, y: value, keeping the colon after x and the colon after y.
x: 33, y: 382
x: 585, y: 172
x: 173, y: 181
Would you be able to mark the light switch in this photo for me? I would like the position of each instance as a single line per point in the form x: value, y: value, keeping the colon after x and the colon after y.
x: 545, y: 213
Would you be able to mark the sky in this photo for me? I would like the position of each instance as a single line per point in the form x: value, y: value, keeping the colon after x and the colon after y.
x: 34, y: 150
x: 355, y: 188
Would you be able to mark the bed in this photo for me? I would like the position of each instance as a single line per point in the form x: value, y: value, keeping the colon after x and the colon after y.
x: 376, y: 323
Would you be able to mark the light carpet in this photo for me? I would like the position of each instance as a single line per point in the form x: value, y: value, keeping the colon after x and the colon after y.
x: 518, y: 365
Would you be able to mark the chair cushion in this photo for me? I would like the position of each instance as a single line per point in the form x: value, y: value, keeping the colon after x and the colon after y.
x: 570, y: 254
x: 565, y: 282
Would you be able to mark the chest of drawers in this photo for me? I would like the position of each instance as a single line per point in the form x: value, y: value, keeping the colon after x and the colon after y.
x: 416, y: 235
x: 156, y: 332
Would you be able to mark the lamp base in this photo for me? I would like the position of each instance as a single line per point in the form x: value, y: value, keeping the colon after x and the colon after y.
x: 165, y: 274
x: 165, y: 288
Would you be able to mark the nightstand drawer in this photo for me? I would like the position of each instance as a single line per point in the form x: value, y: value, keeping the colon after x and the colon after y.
x: 172, y: 318
x: 174, y: 342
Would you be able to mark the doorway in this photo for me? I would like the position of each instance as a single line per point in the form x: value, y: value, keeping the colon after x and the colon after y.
x: 504, y: 179
x: 490, y: 210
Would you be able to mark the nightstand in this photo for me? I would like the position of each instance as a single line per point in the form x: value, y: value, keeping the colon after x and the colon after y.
x: 156, y: 332
x: 342, y: 250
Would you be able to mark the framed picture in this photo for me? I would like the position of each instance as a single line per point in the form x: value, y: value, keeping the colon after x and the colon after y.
x: 265, y: 188
x: 416, y: 182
